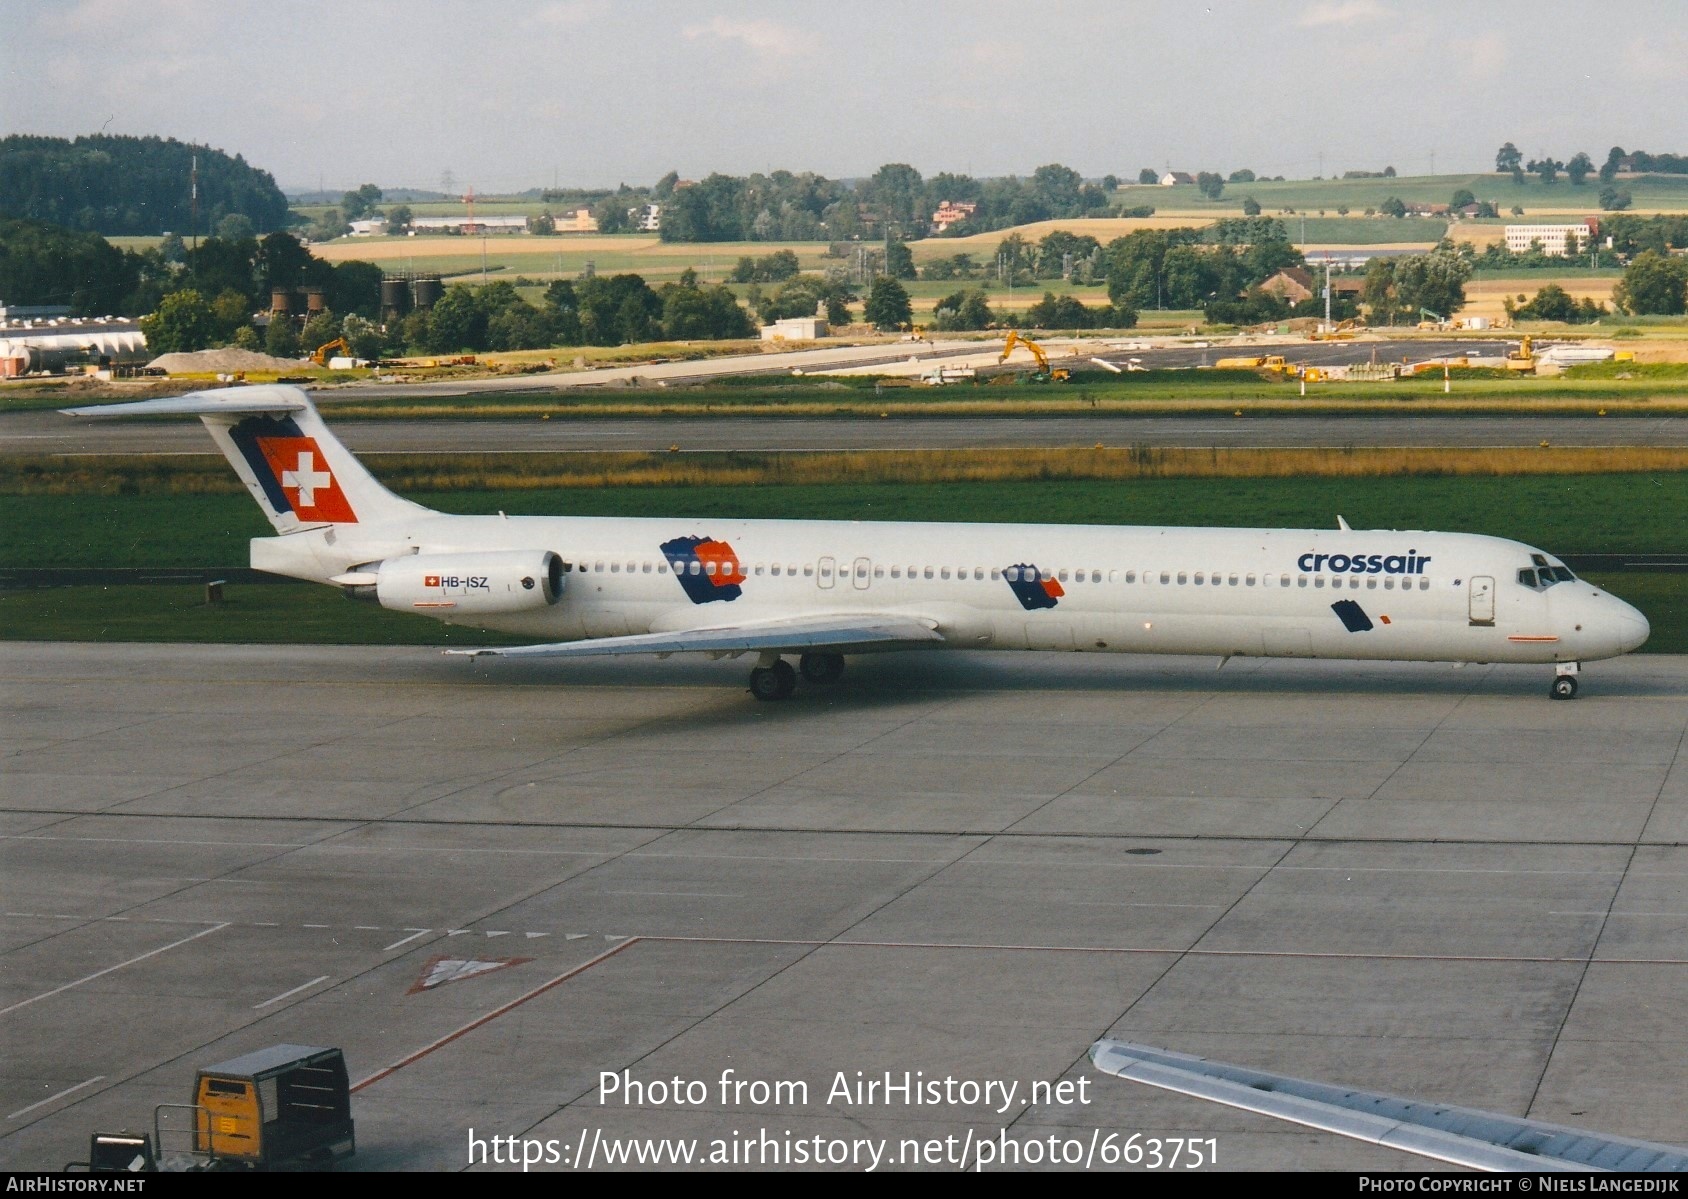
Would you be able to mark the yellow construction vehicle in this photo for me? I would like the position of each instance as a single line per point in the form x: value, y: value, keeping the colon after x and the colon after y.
x: 1044, y: 373
x: 1272, y: 363
x: 1343, y: 332
x: 1525, y: 358
x: 321, y: 354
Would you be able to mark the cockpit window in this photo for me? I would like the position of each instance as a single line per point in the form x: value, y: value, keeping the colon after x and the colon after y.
x: 1527, y: 577
x: 1562, y: 574
x: 1538, y: 559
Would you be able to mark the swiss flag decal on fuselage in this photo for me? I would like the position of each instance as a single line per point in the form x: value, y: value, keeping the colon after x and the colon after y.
x: 310, y: 487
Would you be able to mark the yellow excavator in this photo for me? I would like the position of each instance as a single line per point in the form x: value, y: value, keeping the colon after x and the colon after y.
x: 1044, y: 373
x: 321, y: 354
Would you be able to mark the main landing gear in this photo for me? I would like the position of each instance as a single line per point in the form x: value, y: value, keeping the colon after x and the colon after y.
x: 1564, y: 681
x: 775, y: 679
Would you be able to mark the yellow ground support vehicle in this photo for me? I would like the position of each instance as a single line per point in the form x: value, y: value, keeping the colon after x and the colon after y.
x: 1273, y: 363
x: 287, y: 1103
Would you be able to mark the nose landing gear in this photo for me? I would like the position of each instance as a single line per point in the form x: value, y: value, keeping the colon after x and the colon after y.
x: 1564, y: 681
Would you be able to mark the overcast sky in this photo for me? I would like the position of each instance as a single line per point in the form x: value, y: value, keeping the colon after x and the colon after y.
x: 518, y: 93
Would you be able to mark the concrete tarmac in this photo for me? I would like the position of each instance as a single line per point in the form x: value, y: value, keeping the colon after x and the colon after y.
x: 1417, y: 879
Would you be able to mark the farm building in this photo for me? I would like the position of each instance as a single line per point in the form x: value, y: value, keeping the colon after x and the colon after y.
x: 1293, y: 284
x: 466, y: 225
x: 949, y: 213
x: 1174, y: 178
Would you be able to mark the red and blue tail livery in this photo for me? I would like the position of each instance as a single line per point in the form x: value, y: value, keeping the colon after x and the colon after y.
x: 708, y: 569
x: 292, y: 470
x: 1032, y: 587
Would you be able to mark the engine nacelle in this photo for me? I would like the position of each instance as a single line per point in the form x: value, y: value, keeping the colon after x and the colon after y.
x: 447, y: 585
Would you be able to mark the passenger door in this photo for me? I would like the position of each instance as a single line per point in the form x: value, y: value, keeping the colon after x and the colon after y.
x: 1482, y: 599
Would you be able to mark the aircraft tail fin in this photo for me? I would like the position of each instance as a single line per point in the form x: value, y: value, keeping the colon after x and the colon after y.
x: 293, y: 466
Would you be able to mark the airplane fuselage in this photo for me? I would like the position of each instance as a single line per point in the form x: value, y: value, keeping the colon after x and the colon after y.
x: 1358, y: 594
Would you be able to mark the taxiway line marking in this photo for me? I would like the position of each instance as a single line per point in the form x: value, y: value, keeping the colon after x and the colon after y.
x: 294, y: 991
x: 492, y: 1015
x: 24, y: 1111
x: 421, y: 932
x: 23, y: 1003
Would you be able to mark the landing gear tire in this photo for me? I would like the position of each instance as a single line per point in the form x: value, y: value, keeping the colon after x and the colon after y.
x: 1564, y: 687
x: 773, y: 682
x: 821, y: 668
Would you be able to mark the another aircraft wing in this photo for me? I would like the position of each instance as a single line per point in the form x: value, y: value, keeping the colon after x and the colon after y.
x: 841, y: 634
x: 1461, y: 1135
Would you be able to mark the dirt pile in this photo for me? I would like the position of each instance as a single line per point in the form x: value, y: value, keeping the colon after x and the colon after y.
x: 224, y: 361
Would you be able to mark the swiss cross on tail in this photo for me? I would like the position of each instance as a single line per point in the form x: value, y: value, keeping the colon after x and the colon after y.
x: 293, y: 471
x: 1032, y: 587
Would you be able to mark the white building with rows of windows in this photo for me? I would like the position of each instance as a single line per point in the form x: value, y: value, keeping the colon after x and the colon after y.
x: 1553, y: 238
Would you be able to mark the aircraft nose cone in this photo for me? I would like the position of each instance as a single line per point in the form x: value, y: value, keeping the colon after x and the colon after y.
x: 1633, y: 631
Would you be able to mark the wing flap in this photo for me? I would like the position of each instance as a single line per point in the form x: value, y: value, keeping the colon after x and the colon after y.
x: 853, y: 632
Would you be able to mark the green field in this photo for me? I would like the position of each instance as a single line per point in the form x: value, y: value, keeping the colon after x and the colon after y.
x: 1572, y: 514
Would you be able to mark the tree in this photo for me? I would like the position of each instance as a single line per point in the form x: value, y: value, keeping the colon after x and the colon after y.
x: 235, y: 227
x: 899, y: 261
x: 1063, y: 312
x: 888, y: 305
x: 1614, y: 199
x: 321, y: 329
x: 182, y: 322
x: 459, y: 321
x: 1609, y: 169
x: 543, y: 225
x: 1579, y: 168
x: 1251, y: 206
x: 1435, y: 281
x: 281, y: 340
x: 364, y: 336
x: 1379, y: 294
x: 1653, y: 284
x: 1388, y: 172
x: 1242, y: 176
x: 1546, y: 167
x: 230, y: 313
x: 1507, y: 159
x: 962, y: 311
x: 1210, y: 184
x: 360, y: 203
x: 1461, y: 198
x: 1147, y: 175
x: 1110, y: 183
x: 1393, y: 206
x: 399, y: 217
x: 611, y: 213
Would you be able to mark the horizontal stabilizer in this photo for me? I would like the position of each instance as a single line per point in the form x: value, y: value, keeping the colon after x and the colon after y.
x: 1461, y: 1135
x: 831, y: 632
x: 231, y: 401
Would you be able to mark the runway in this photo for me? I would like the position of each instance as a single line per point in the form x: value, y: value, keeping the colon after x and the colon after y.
x: 1415, y: 879
x: 51, y: 433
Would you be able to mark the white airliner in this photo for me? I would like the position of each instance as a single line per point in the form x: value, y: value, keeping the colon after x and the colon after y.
x: 817, y: 590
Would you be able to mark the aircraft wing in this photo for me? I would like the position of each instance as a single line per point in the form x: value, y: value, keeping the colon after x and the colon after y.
x: 1461, y: 1135
x: 841, y: 634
